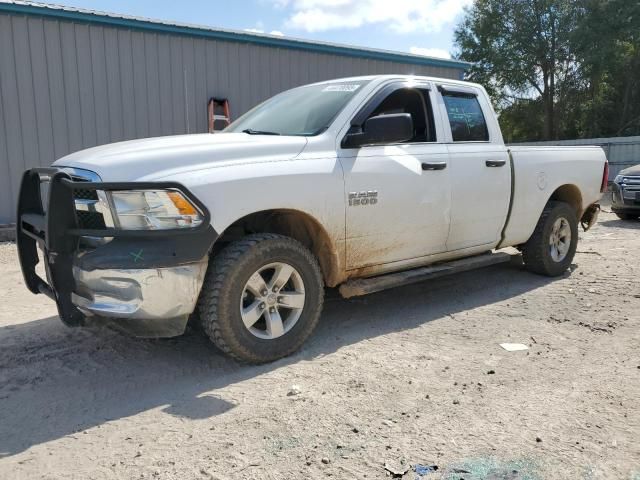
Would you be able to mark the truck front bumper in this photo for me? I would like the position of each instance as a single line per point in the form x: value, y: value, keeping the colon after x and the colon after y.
x: 625, y: 198
x: 143, y: 302
x: 144, y: 282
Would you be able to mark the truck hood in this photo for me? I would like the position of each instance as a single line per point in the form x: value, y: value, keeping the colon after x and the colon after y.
x: 635, y: 170
x: 163, y: 157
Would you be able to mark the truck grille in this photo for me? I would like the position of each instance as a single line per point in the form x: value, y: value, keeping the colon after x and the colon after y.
x: 85, y: 194
x: 631, y: 180
x: 90, y: 220
x: 85, y: 200
x: 85, y: 204
x: 630, y: 189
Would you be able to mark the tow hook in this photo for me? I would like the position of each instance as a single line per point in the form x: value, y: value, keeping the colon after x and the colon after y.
x: 590, y: 216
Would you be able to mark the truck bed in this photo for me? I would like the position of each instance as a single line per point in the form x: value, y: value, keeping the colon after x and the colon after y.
x: 549, y: 169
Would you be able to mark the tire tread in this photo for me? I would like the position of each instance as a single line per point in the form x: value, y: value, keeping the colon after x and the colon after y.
x: 534, y: 251
x: 219, y: 271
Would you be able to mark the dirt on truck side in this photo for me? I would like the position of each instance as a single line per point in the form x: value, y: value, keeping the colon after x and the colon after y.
x: 400, y: 380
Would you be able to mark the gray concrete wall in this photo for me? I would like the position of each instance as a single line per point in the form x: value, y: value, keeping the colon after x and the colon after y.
x: 67, y: 85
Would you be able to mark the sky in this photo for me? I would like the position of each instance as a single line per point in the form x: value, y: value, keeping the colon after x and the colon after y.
x: 423, y: 27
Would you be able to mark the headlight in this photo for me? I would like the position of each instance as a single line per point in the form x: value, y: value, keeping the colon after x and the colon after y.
x: 618, y: 179
x: 153, y: 210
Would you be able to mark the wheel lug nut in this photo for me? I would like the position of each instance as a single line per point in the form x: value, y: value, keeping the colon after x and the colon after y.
x: 262, y: 306
x: 264, y: 292
x: 275, y: 289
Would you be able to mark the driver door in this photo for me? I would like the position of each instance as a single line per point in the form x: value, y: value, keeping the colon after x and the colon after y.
x: 398, y: 194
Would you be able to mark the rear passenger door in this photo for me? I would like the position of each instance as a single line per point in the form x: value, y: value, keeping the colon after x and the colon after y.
x: 480, y: 169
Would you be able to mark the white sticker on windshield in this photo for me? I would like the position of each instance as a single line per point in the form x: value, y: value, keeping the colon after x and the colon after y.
x: 341, y: 88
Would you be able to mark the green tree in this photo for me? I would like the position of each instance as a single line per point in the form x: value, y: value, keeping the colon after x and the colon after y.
x: 607, y: 42
x: 557, y: 68
x: 521, y: 50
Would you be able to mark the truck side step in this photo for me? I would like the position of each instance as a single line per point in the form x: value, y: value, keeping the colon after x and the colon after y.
x: 363, y: 286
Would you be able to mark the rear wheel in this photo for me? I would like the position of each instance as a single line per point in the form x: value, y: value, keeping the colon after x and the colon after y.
x: 262, y: 298
x: 551, y: 248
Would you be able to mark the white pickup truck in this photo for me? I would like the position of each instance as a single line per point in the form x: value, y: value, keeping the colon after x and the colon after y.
x: 364, y: 183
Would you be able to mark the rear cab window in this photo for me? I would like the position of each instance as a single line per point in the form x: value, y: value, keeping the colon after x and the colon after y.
x: 466, y: 119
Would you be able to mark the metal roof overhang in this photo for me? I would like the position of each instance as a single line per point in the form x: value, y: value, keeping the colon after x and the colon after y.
x: 89, y: 16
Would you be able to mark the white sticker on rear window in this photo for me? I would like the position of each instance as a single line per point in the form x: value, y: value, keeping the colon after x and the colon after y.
x: 341, y: 88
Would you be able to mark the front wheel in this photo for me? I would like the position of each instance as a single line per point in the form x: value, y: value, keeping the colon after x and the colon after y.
x: 552, y: 246
x: 262, y: 298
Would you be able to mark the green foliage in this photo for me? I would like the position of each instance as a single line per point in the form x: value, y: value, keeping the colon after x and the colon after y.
x: 523, y: 121
x: 556, y: 68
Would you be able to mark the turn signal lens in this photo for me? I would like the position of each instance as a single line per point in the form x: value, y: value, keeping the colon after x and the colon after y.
x: 181, y: 203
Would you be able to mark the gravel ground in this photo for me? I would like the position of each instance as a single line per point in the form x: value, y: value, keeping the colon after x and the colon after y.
x: 408, y: 376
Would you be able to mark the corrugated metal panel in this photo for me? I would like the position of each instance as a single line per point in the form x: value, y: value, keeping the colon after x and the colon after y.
x: 22, y: 7
x: 67, y: 85
x: 6, y: 198
x: 622, y: 152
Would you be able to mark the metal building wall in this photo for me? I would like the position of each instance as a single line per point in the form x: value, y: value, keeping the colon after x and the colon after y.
x: 68, y: 85
x: 622, y: 152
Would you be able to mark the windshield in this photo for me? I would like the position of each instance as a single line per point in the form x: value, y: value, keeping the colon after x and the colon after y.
x: 305, y: 110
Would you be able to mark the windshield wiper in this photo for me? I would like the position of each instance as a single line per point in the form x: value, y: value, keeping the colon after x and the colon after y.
x: 251, y: 131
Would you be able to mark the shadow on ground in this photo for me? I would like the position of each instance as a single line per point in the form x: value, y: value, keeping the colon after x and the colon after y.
x: 56, y: 381
x: 632, y: 224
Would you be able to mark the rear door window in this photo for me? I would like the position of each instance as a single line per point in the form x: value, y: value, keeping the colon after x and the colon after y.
x: 465, y: 117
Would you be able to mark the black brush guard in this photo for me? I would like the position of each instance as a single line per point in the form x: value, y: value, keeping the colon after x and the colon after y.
x: 56, y: 230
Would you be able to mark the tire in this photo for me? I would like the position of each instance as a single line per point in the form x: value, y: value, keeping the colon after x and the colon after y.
x: 627, y: 216
x: 229, y: 292
x: 538, y: 254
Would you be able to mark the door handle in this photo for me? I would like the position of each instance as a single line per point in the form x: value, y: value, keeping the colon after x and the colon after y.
x: 495, y: 163
x: 434, y: 165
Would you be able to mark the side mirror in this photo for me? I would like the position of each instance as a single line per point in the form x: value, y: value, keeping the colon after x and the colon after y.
x: 380, y: 130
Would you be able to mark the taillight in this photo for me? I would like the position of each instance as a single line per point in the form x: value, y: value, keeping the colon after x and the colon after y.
x: 605, y: 178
